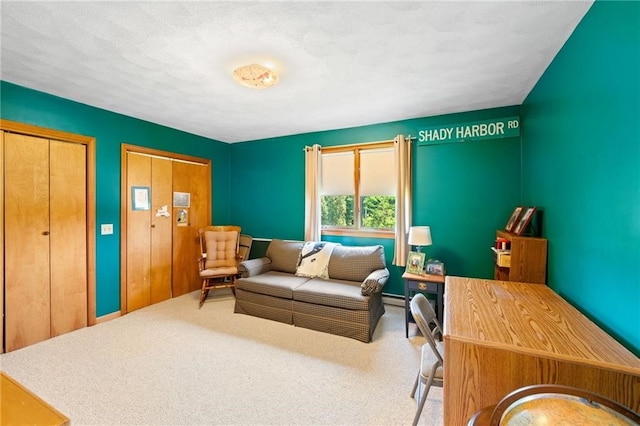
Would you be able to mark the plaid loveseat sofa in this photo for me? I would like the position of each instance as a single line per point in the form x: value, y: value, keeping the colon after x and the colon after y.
x: 348, y: 304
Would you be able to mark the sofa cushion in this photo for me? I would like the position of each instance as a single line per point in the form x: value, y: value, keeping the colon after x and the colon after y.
x: 284, y: 255
x: 355, y: 263
x: 336, y: 293
x: 261, y: 305
x: 272, y: 283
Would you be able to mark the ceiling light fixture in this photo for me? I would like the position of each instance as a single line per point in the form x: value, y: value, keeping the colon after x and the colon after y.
x: 255, y: 76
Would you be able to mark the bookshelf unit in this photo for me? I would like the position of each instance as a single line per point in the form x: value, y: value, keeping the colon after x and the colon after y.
x: 528, y: 260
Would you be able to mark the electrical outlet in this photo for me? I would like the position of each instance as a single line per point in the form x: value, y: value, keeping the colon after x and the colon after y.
x: 106, y: 229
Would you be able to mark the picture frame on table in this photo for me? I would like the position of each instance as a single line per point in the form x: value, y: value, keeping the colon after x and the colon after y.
x: 513, y: 219
x: 415, y: 262
x: 434, y: 267
x: 524, y: 220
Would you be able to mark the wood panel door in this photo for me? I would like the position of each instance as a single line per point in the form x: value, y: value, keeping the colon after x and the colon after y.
x: 68, y: 237
x: 194, y: 179
x: 149, y: 236
x: 26, y: 205
x: 2, y: 240
x: 45, y: 207
x: 138, y: 235
x: 160, y: 251
x: 161, y: 234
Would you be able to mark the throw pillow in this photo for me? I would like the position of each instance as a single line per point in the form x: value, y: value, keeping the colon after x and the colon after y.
x: 314, y: 259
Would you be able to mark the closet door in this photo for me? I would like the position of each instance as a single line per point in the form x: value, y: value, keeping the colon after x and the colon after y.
x: 149, y: 245
x: 161, y: 245
x: 2, y: 240
x: 196, y: 180
x: 26, y: 232
x: 68, y: 239
x: 47, y: 226
x: 138, y: 235
x: 160, y: 249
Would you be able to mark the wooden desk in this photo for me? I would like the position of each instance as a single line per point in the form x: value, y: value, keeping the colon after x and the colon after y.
x: 500, y: 336
x: 21, y: 407
x: 424, y: 283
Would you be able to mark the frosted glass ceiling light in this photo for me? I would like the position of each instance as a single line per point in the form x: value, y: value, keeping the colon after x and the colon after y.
x: 255, y: 76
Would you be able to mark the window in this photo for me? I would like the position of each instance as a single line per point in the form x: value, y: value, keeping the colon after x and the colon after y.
x: 365, y: 173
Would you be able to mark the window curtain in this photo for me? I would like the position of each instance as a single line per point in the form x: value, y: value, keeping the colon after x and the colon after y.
x: 312, y: 179
x: 402, y: 151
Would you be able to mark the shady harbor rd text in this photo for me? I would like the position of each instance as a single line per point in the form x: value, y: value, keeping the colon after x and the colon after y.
x: 489, y: 129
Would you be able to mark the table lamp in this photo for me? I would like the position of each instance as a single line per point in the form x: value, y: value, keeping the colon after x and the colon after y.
x: 419, y: 236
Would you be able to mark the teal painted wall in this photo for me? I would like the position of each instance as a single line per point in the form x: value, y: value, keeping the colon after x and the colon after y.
x: 110, y: 130
x: 581, y: 164
x: 464, y: 191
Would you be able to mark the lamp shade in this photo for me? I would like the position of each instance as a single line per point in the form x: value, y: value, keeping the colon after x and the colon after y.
x: 420, y: 236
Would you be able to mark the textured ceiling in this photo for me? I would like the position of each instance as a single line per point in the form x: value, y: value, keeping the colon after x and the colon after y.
x: 341, y: 64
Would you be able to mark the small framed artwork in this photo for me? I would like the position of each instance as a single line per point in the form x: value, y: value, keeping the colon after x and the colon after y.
x: 140, y: 198
x: 415, y: 262
x: 513, y: 219
x: 182, y: 199
x: 434, y: 267
x: 524, y: 220
x: 182, y: 218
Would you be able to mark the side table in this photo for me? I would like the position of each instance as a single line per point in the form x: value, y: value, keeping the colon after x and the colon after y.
x: 424, y: 283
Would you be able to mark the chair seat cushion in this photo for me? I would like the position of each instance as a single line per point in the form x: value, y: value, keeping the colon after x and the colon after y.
x: 219, y: 272
x: 429, y: 359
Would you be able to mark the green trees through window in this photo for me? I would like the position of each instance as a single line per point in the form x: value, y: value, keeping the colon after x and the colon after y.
x: 377, y: 211
x: 337, y: 210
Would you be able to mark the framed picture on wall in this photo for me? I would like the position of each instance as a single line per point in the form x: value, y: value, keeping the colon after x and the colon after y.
x: 140, y: 198
x: 182, y: 218
x: 182, y: 199
x: 513, y: 219
x: 415, y: 262
x: 524, y: 220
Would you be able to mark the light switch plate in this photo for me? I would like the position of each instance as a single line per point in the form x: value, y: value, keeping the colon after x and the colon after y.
x: 106, y: 229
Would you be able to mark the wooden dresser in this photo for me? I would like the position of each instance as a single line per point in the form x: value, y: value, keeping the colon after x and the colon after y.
x: 501, y: 335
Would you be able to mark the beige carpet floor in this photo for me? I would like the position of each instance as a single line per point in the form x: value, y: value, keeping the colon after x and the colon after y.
x: 175, y: 364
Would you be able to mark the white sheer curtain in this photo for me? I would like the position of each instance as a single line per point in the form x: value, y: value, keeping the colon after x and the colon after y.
x: 402, y: 149
x: 312, y: 179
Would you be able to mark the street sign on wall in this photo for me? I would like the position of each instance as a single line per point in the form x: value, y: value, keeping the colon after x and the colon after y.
x: 478, y: 130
